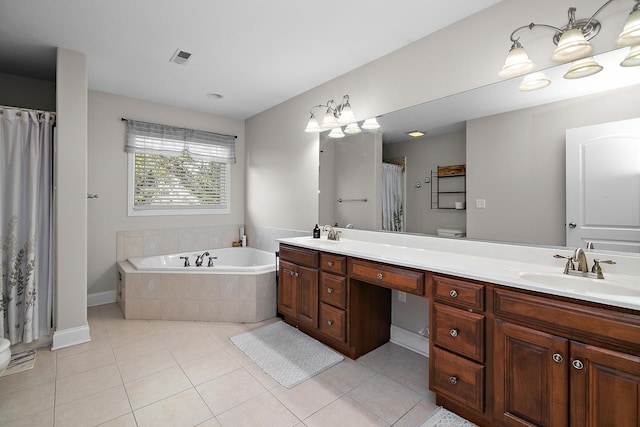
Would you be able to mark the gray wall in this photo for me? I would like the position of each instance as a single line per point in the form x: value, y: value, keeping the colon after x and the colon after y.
x: 24, y: 92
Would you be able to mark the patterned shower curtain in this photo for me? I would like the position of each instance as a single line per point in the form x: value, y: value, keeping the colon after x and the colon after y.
x: 26, y: 163
x: 392, y: 197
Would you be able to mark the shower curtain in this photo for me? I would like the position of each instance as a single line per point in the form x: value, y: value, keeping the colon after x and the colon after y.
x: 392, y: 197
x: 26, y: 167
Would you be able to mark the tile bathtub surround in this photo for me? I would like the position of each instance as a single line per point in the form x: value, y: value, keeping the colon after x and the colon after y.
x: 136, y: 243
x: 149, y: 373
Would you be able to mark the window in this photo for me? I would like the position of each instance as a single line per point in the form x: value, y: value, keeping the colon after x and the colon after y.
x: 177, y: 171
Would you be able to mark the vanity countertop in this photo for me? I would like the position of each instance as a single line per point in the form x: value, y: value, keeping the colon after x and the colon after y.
x: 491, y: 262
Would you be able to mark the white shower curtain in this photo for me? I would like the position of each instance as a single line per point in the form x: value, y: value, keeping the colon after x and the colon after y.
x: 392, y: 197
x: 26, y: 163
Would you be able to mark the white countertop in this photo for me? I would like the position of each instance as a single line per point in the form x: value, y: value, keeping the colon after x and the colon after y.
x: 497, y: 263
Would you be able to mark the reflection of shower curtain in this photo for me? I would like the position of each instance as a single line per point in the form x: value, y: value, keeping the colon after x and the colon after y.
x: 392, y: 197
x: 26, y: 159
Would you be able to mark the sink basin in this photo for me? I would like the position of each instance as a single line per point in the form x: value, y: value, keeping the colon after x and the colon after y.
x: 613, y: 286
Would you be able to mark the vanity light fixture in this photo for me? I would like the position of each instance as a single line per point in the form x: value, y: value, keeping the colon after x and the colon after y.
x: 534, y: 81
x: 630, y: 35
x: 633, y: 58
x: 371, y: 124
x: 336, y: 133
x: 336, y: 115
x: 572, y: 41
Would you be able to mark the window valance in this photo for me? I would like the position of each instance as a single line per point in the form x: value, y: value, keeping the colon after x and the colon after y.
x: 152, y: 138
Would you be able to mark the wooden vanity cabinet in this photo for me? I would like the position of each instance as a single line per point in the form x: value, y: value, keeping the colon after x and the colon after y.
x: 457, y: 370
x: 560, y: 363
x: 298, y: 287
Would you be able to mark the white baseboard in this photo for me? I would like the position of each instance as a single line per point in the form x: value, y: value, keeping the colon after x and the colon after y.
x: 100, y: 298
x: 410, y: 340
x: 72, y: 336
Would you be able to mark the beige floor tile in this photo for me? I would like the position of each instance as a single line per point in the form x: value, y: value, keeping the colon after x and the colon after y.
x: 139, y: 345
x: 347, y: 375
x: 419, y: 413
x: 183, y: 409
x: 236, y: 353
x: 411, y: 370
x: 192, y: 347
x: 147, y: 364
x: 383, y: 356
x: 43, y: 372
x: 39, y: 419
x: 344, y: 412
x: 308, y: 397
x: 213, y: 422
x: 131, y: 332
x: 157, y: 386
x: 386, y: 398
x: 85, y: 361
x: 229, y: 390
x: 208, y: 367
x: 262, y: 377
x: 126, y: 420
x: 99, y: 339
x: 263, y: 410
x: 93, y: 410
x: 86, y: 383
x: 29, y: 401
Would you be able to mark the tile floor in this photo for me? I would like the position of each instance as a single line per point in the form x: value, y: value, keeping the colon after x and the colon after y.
x: 161, y: 373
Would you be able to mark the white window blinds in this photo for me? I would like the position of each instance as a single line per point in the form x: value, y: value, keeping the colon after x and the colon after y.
x: 152, y: 138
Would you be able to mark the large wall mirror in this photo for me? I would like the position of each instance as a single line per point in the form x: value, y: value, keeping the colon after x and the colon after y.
x: 513, y: 146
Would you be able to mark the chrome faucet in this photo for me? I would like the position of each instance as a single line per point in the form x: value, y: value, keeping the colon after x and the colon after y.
x: 211, y: 258
x: 200, y: 258
x: 580, y: 257
x: 332, y: 234
x: 186, y: 261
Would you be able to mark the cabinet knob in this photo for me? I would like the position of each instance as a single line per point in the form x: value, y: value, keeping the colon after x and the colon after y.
x: 296, y: 274
x: 329, y: 322
x: 453, y: 293
x: 453, y: 380
x: 330, y: 263
x: 557, y: 357
x: 577, y: 364
x: 380, y: 276
x: 453, y: 333
x: 329, y: 290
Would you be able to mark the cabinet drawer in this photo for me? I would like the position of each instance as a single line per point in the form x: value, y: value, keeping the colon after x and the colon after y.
x: 460, y: 293
x: 333, y: 322
x: 333, y: 263
x: 459, y: 331
x: 459, y: 379
x: 300, y: 256
x: 398, y: 278
x: 333, y: 290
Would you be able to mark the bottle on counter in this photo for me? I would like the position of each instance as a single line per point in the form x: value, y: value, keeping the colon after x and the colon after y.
x: 316, y: 232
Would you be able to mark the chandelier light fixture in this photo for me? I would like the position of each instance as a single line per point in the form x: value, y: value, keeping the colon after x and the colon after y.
x: 335, y: 117
x: 572, y: 41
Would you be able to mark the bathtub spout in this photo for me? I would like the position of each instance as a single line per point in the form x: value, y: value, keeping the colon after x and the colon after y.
x: 200, y: 258
x: 211, y: 258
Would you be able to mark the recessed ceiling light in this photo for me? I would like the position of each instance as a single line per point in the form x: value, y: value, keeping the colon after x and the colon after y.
x: 214, y: 95
x: 415, y: 133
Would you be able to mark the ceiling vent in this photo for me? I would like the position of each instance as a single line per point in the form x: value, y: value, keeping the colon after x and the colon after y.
x: 180, y: 57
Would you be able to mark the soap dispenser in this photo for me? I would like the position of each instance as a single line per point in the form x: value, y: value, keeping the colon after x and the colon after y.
x: 316, y: 232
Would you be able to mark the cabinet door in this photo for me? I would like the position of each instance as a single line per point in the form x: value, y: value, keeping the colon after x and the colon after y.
x: 287, y: 290
x: 605, y: 387
x: 307, y: 297
x: 530, y: 376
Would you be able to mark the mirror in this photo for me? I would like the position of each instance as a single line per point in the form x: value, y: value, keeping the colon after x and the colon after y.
x: 513, y: 146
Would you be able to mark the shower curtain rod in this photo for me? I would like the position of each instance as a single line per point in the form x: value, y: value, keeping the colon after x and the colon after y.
x: 26, y: 109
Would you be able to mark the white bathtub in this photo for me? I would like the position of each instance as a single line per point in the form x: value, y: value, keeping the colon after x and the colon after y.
x: 227, y: 260
x: 240, y: 287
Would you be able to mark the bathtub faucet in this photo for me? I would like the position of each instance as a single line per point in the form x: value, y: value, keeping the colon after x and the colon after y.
x: 200, y: 258
x: 211, y: 258
x: 186, y: 261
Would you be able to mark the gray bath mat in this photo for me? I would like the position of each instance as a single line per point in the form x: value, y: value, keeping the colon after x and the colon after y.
x: 442, y: 417
x: 21, y: 362
x: 287, y: 355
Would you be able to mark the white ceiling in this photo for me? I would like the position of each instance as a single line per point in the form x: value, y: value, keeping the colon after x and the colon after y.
x: 256, y: 53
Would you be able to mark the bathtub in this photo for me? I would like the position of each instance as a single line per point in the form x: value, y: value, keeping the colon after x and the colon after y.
x: 239, y: 287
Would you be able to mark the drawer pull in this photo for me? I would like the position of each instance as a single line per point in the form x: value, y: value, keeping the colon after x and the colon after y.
x: 453, y: 333
x: 330, y: 263
x: 577, y: 364
x: 453, y: 293
x: 329, y: 290
x: 287, y: 271
x: 453, y: 380
x: 329, y: 322
x: 557, y: 357
x: 380, y: 276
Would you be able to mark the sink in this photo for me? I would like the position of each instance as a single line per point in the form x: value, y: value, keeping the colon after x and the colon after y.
x: 609, y: 286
